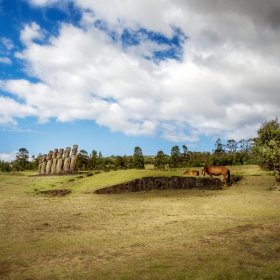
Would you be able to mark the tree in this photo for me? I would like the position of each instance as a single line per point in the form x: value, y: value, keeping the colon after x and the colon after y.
x: 5, y: 166
x: 175, y: 158
x: 138, y: 158
x: 100, y: 161
x: 92, y: 160
x: 231, y: 146
x: 21, y: 161
x: 119, y: 163
x: 127, y: 160
x: 82, y: 160
x: 185, y: 155
x: 245, y: 146
x: 219, y: 148
x: 267, y: 147
x: 160, y: 160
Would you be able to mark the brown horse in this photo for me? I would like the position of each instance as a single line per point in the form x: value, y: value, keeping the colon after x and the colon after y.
x: 192, y: 172
x: 217, y: 171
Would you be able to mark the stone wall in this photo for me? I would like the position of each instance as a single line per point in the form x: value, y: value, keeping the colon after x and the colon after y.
x: 163, y: 183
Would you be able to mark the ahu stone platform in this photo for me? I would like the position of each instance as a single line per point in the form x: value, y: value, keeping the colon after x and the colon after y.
x: 164, y: 183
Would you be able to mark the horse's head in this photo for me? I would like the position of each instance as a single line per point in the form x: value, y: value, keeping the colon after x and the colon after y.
x: 204, y: 170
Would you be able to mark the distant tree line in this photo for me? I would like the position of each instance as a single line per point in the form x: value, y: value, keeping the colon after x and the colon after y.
x: 95, y: 160
x: 231, y: 153
x: 22, y: 162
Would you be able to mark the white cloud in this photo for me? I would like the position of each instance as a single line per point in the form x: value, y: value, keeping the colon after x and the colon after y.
x: 42, y: 2
x: 8, y: 43
x: 227, y: 82
x: 8, y: 157
x: 5, y: 60
x: 11, y: 108
x: 31, y: 32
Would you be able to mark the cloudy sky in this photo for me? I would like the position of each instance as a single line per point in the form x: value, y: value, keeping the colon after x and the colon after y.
x: 112, y: 75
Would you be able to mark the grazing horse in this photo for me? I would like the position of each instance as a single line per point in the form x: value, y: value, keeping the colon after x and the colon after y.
x: 192, y: 172
x: 217, y: 171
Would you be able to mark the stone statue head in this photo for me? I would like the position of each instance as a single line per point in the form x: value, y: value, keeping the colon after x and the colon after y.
x: 55, y: 151
x: 50, y: 155
x: 74, y: 150
x: 67, y: 152
x: 60, y: 153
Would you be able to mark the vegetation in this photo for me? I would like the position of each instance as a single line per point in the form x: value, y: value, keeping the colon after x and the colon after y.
x: 138, y: 159
x: 232, y: 153
x: 263, y: 150
x: 267, y: 147
x: 5, y: 166
x: 20, y: 163
x: 174, y: 234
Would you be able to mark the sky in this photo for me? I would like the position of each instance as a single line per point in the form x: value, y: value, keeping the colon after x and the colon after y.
x: 113, y: 75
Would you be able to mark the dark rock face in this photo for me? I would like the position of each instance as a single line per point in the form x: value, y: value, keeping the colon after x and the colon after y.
x: 235, y: 179
x: 208, y: 183
x: 56, y: 192
x: 189, y: 182
x: 163, y: 183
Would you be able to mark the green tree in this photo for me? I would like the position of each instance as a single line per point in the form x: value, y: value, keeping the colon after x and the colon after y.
x: 92, y: 162
x: 119, y: 162
x: 100, y: 161
x: 185, y: 156
x: 267, y: 147
x: 175, y: 158
x: 82, y: 160
x: 127, y: 160
x: 160, y: 160
x: 5, y: 166
x: 138, y: 158
x: 21, y: 162
x: 231, y: 146
x: 245, y: 146
x: 219, y: 148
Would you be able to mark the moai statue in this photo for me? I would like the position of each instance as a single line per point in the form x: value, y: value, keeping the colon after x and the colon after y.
x: 44, y: 164
x: 59, y: 161
x: 54, y: 155
x: 67, y: 159
x: 39, y: 164
x: 49, y: 162
x: 73, y: 162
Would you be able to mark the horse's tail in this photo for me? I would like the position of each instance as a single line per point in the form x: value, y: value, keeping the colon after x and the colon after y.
x: 228, y: 176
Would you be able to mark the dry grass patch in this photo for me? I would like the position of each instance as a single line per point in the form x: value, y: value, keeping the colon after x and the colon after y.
x: 172, y: 234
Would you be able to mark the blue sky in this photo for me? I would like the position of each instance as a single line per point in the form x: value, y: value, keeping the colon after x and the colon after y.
x: 112, y: 75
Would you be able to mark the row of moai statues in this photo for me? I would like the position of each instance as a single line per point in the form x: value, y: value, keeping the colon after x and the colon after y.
x: 54, y: 163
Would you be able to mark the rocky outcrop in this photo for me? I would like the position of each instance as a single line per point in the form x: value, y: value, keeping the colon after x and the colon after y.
x: 163, y: 183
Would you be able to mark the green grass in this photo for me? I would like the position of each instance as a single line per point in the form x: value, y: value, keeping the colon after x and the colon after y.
x: 233, y: 233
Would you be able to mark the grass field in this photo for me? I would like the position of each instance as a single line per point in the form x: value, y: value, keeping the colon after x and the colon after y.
x: 232, y: 233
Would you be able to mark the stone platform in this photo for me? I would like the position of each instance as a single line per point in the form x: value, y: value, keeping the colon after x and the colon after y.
x: 163, y: 183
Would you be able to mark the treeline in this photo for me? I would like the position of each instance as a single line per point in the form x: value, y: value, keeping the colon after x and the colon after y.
x: 231, y: 153
x: 95, y: 161
x: 22, y: 162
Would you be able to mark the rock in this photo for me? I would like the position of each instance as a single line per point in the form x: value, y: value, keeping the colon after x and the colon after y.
x: 163, y: 183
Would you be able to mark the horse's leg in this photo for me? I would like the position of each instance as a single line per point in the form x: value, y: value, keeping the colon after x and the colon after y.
x: 225, y: 179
